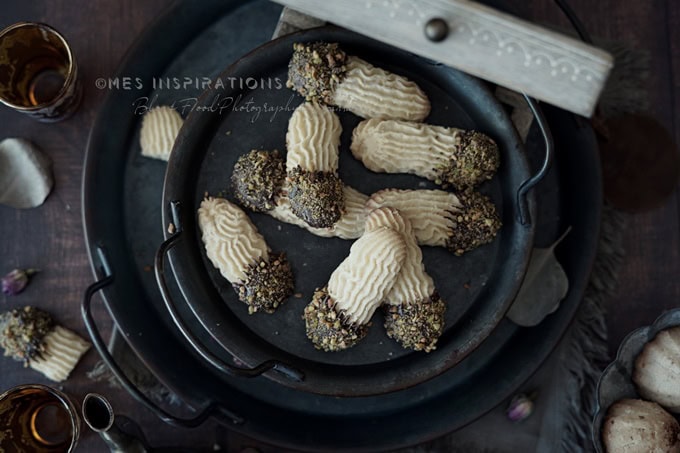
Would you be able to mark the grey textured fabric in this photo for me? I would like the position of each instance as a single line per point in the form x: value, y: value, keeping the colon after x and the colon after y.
x: 565, y: 384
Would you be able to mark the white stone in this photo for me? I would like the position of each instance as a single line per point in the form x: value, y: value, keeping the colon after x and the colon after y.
x: 25, y: 174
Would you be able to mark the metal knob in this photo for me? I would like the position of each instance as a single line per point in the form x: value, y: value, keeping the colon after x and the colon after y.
x: 436, y: 29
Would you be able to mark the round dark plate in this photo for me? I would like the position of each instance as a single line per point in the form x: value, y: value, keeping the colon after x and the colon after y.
x: 479, y: 286
x: 122, y: 211
x: 616, y: 382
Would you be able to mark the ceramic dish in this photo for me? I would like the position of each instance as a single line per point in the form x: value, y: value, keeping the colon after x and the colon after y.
x: 616, y: 382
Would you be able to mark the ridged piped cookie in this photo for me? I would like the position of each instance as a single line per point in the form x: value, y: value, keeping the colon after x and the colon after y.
x: 322, y: 72
x: 414, y: 313
x: 460, y: 222
x: 233, y: 245
x: 160, y: 127
x: 445, y: 155
x: 314, y: 188
x: 338, y: 315
x: 30, y: 335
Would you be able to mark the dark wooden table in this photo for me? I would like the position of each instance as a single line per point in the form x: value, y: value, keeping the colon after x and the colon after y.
x: 51, y: 236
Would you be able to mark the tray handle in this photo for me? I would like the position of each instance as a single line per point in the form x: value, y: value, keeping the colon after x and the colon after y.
x: 159, y: 267
x: 524, y: 216
x: 99, y: 344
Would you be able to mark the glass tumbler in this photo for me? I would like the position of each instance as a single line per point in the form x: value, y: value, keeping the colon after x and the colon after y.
x: 38, y: 72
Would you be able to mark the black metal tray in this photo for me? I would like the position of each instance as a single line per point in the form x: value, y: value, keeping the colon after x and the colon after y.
x: 122, y: 211
x: 477, y: 286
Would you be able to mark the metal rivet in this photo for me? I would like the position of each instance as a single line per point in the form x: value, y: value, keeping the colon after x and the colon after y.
x: 436, y: 29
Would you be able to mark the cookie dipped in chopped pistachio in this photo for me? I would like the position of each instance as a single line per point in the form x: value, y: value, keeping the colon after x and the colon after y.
x: 30, y: 335
x: 460, y: 222
x: 315, y: 191
x: 322, y: 73
x: 414, y: 312
x: 338, y: 316
x: 262, y: 280
x: 446, y: 155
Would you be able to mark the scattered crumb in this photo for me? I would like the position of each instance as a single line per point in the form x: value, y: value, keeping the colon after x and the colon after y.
x: 227, y: 133
x: 171, y: 228
x: 148, y: 268
x: 466, y: 285
x: 298, y: 295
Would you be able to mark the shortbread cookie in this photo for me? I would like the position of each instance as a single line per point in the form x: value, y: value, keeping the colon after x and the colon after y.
x: 460, y: 222
x: 30, y: 335
x: 233, y: 245
x: 160, y: 127
x: 314, y: 188
x: 322, y: 72
x: 657, y: 370
x: 338, y: 316
x: 257, y: 179
x: 637, y: 426
x: 447, y: 156
x: 414, y: 313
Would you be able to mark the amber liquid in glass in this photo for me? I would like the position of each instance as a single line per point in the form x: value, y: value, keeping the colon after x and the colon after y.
x: 42, y: 79
x: 35, y: 420
x: 38, y: 74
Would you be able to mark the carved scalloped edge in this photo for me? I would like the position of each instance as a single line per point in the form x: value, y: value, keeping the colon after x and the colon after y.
x: 507, y: 43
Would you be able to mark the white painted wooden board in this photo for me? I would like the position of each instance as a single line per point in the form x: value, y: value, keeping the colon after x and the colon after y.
x: 483, y: 42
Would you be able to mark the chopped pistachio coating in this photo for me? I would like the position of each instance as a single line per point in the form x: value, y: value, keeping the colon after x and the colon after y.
x: 315, y: 69
x: 257, y: 179
x: 474, y: 161
x: 268, y: 284
x: 328, y: 329
x: 476, y: 224
x: 22, y: 332
x: 316, y: 197
x: 418, y: 325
